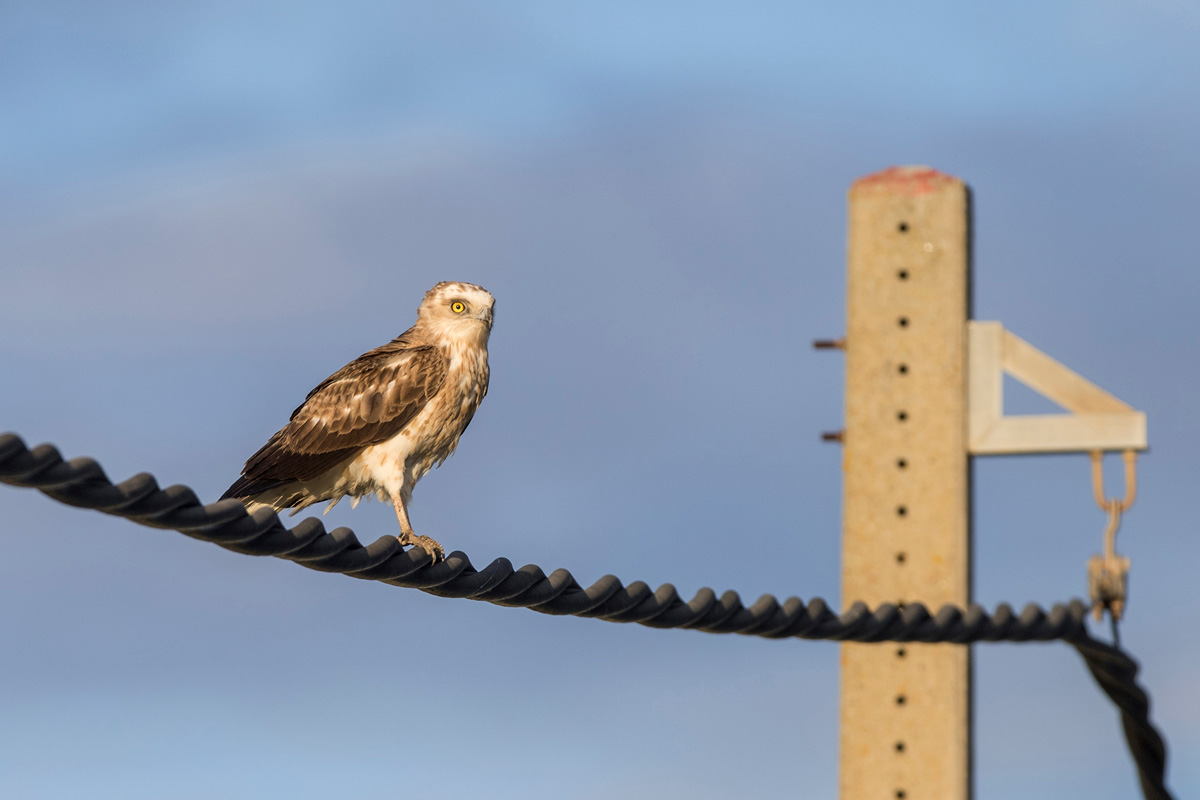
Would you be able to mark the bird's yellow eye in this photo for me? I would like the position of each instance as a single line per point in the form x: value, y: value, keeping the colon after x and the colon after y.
x: 457, y: 307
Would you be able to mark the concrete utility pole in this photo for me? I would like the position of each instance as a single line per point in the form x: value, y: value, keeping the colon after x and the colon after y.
x: 905, y: 709
x: 924, y: 392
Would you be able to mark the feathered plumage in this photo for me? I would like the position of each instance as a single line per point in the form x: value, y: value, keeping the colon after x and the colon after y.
x: 378, y: 424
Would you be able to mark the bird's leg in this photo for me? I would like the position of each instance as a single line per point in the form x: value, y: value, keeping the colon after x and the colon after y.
x: 409, y: 537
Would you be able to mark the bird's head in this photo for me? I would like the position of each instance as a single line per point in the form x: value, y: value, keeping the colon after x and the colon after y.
x: 457, y: 310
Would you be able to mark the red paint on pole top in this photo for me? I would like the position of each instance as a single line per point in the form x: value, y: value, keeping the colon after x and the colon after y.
x: 904, y: 180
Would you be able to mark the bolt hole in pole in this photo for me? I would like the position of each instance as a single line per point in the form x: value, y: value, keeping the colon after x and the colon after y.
x: 902, y: 322
x: 902, y: 369
x: 901, y: 511
x: 901, y: 699
x: 902, y: 415
x: 902, y: 274
x: 902, y: 227
x: 899, y: 747
x: 900, y: 794
x: 901, y: 463
x: 901, y: 652
x: 900, y: 558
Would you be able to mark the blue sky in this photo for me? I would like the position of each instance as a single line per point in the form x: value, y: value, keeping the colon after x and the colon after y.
x: 206, y: 210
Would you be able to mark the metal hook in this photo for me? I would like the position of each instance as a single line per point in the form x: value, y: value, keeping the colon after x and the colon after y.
x: 1108, y: 574
x: 1106, y: 504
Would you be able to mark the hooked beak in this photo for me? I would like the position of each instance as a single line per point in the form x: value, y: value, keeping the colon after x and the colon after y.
x: 485, y: 317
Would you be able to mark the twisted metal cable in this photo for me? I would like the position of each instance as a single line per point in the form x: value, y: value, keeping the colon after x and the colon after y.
x: 81, y: 482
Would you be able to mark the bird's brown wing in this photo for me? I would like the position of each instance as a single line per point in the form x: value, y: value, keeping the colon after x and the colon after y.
x: 367, y: 401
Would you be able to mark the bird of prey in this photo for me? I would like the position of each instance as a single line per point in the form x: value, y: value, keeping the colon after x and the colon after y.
x: 378, y: 424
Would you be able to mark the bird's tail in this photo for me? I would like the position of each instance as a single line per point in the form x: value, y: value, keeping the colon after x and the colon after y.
x: 244, y: 488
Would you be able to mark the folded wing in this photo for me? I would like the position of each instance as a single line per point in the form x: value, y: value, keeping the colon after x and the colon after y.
x: 366, y: 402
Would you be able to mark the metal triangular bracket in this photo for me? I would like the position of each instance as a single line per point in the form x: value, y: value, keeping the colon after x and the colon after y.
x: 1096, y: 420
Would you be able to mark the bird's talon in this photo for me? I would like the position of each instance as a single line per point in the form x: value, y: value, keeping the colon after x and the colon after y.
x: 426, y: 543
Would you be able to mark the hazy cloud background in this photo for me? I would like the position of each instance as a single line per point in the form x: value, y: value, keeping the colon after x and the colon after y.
x: 205, y: 210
